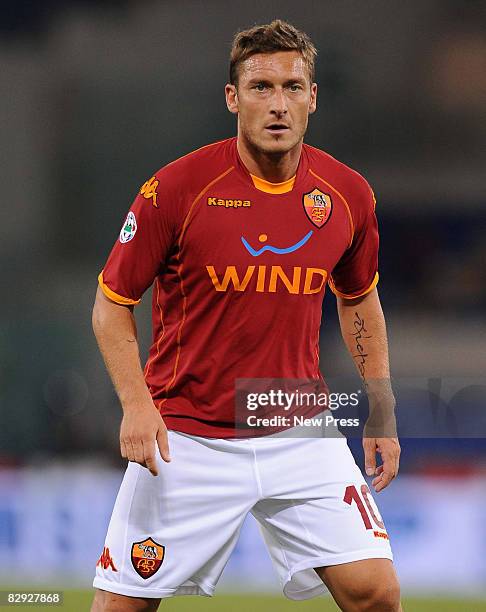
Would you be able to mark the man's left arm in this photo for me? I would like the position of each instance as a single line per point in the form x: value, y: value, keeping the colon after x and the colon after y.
x: 364, y: 333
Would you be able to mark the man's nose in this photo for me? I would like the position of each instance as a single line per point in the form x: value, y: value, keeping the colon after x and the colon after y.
x: 279, y: 102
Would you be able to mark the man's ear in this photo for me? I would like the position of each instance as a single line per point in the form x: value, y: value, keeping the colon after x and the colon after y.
x: 231, y: 98
x: 313, y: 99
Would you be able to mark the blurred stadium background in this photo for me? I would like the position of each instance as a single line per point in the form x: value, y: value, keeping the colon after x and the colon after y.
x: 96, y: 95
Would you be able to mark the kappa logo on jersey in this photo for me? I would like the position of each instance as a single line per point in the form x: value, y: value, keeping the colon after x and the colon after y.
x: 317, y: 206
x: 267, y: 279
x: 149, y: 190
x: 147, y: 557
x: 129, y: 228
x: 105, y: 561
x: 229, y: 202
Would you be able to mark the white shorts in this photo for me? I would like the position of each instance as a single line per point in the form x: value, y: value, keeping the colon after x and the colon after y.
x: 173, y: 534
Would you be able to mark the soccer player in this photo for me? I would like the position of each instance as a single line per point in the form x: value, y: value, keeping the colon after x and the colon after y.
x: 240, y: 239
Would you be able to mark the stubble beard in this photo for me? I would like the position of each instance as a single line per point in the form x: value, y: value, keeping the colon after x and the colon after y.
x: 275, y: 153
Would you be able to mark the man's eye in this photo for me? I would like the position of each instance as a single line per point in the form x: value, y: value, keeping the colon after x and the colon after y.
x: 260, y: 87
x: 295, y: 87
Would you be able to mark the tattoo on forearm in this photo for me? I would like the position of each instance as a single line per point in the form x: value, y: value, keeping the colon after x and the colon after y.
x: 359, y: 335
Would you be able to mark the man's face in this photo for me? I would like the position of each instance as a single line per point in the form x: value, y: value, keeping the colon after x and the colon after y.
x: 273, y: 100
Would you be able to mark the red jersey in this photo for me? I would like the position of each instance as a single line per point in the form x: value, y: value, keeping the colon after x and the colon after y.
x: 239, y: 267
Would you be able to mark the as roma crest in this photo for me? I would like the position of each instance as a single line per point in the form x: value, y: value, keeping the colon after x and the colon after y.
x: 317, y: 206
x: 147, y: 557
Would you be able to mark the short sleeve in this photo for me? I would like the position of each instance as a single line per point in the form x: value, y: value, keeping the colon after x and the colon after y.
x: 356, y: 273
x: 146, y: 238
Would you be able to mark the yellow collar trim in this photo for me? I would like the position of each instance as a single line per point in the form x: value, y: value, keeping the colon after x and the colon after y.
x: 268, y: 187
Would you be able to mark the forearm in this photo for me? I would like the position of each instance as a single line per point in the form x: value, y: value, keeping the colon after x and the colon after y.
x: 364, y: 332
x: 116, y: 333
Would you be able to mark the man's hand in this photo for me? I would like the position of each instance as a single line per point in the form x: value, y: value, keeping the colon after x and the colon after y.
x: 389, y: 449
x: 140, y: 428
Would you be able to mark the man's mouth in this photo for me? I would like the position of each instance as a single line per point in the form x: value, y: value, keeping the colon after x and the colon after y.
x: 277, y: 128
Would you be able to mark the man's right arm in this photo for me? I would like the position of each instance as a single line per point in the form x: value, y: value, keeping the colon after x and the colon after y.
x: 116, y: 333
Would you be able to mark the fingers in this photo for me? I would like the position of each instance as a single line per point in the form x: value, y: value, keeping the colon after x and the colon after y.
x: 384, y: 479
x: 397, y: 460
x: 138, y: 433
x: 123, y: 449
x: 150, y: 460
x: 163, y: 444
x: 379, y: 471
x: 127, y: 449
x: 369, y: 447
x: 390, y: 453
x: 141, y: 452
x: 138, y: 452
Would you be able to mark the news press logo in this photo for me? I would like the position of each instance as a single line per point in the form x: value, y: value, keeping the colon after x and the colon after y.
x: 413, y: 407
x: 298, y: 403
x: 268, y: 406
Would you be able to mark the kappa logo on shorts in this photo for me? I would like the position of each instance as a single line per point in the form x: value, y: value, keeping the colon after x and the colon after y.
x: 317, y: 206
x: 147, y: 557
x: 105, y: 561
x: 149, y: 190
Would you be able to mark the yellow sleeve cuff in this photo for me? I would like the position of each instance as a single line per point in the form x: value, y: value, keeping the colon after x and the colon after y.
x: 114, y: 297
x: 346, y: 296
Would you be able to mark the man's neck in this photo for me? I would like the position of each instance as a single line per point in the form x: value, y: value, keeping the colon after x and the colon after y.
x: 274, y: 168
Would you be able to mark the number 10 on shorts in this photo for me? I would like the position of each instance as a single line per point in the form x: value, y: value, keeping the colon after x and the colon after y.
x: 366, y: 509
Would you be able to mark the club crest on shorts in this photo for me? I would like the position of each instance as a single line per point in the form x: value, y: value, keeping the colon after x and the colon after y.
x: 129, y: 228
x: 317, y: 206
x: 147, y: 557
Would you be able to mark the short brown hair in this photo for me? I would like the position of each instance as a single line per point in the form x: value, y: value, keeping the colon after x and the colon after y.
x: 269, y: 38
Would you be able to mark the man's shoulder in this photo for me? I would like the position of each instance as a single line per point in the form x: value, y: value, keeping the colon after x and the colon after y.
x: 197, y: 168
x: 342, y: 177
x: 349, y: 184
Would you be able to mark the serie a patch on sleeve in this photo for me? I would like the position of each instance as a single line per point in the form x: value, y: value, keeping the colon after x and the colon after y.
x: 129, y: 228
